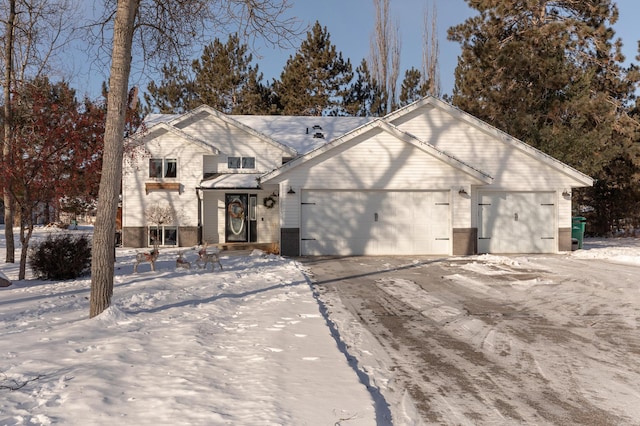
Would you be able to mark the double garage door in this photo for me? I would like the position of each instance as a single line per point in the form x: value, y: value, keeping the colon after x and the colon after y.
x: 375, y: 222
x: 517, y: 222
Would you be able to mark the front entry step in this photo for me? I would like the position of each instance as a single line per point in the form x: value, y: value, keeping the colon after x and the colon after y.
x: 273, y: 248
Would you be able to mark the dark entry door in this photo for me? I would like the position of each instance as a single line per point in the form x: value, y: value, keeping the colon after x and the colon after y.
x: 236, y: 218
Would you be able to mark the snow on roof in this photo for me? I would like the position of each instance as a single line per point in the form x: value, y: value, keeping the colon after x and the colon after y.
x: 301, y: 133
x: 153, y: 119
x: 232, y: 181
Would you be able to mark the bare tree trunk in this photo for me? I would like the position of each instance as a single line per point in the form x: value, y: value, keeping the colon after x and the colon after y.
x: 102, y: 265
x: 385, y: 53
x: 26, y: 230
x: 431, y: 53
x: 8, y: 133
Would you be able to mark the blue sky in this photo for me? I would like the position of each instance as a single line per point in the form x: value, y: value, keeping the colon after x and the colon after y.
x: 350, y: 24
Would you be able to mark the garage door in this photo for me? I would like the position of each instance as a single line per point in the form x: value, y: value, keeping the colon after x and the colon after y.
x: 375, y: 222
x: 517, y: 222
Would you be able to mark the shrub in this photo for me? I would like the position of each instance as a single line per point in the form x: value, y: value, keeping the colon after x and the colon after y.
x: 61, y: 257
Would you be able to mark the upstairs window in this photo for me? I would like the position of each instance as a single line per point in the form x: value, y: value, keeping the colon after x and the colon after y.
x: 163, y: 167
x: 241, y: 162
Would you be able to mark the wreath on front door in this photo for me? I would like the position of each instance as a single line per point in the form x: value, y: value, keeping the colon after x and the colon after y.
x: 270, y: 201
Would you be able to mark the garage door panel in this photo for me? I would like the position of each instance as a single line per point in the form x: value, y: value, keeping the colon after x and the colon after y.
x: 375, y: 222
x: 516, y: 222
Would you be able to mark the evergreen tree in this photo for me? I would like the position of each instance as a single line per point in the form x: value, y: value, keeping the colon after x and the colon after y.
x: 223, y: 78
x: 173, y: 94
x: 413, y: 87
x: 365, y: 97
x: 551, y: 74
x: 226, y: 80
x: 315, y: 79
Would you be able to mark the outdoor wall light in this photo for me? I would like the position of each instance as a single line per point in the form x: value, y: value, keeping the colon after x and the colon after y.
x: 462, y: 192
x: 566, y: 193
x: 291, y: 191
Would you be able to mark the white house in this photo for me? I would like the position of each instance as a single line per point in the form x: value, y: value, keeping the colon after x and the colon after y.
x: 426, y: 179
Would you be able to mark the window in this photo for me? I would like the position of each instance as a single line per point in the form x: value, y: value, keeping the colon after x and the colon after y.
x: 241, y: 162
x: 248, y: 162
x: 165, y: 235
x: 163, y: 168
x: 233, y: 162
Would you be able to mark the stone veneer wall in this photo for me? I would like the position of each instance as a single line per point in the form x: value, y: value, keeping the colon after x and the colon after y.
x: 465, y: 241
x: 290, y: 241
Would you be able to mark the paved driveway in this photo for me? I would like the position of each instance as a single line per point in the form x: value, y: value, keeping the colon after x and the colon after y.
x: 491, y: 340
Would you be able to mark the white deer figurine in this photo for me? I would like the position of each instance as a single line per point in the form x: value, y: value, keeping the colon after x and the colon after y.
x: 206, y: 257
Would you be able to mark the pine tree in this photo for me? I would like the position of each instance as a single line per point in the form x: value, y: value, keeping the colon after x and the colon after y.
x: 173, y: 94
x: 223, y: 78
x: 315, y: 79
x: 551, y: 74
x: 365, y: 97
x: 413, y: 87
x: 226, y: 80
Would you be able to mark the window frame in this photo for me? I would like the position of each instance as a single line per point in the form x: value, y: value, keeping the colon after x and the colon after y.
x: 161, y: 167
x: 163, y: 230
x: 238, y: 162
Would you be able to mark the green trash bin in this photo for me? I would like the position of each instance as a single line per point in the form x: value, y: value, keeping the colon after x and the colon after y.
x: 578, y: 224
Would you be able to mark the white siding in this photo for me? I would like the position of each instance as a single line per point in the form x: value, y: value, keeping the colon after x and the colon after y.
x: 235, y: 142
x: 509, y: 166
x: 375, y: 160
x: 564, y: 210
x: 135, y: 200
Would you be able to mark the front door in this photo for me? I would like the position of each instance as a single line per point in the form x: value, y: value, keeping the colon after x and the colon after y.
x: 236, y: 229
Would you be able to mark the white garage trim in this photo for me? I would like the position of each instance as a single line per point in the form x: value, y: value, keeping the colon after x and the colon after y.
x: 375, y: 222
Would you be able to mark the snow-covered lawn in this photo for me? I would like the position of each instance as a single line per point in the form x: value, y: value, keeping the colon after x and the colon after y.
x: 245, y: 346
x: 249, y: 345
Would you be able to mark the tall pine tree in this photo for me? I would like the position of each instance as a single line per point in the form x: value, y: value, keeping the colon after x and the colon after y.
x: 174, y: 93
x: 223, y: 78
x: 314, y: 81
x: 226, y: 80
x: 413, y: 87
x: 365, y: 97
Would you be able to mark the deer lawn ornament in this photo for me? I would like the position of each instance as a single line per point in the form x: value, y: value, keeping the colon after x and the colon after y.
x: 150, y: 257
x: 181, y: 262
x: 206, y: 257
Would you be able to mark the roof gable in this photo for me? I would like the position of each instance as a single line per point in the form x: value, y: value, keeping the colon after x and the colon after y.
x: 496, y: 133
x: 162, y: 127
x: 205, y: 111
x: 386, y: 127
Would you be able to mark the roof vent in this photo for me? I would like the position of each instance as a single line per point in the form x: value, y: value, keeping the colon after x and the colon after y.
x: 318, y: 132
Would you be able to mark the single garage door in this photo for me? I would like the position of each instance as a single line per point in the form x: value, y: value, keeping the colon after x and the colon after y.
x: 517, y: 222
x: 375, y: 222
